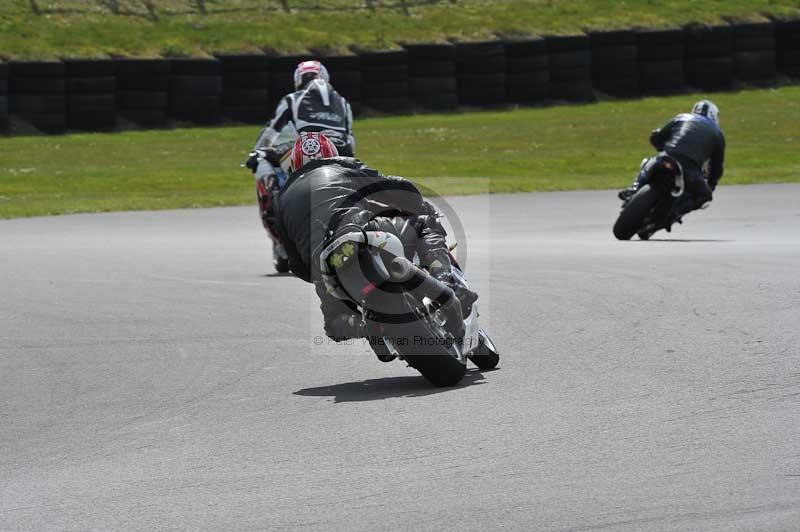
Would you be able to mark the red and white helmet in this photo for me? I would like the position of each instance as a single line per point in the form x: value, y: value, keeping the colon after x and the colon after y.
x: 309, y: 67
x: 310, y: 146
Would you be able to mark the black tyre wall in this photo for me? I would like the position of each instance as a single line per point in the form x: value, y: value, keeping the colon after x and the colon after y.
x: 346, y: 78
x: 37, y: 94
x: 754, y: 55
x: 74, y: 93
x: 384, y: 81
x: 570, y: 68
x: 195, y: 90
x: 91, y: 94
x: 527, y: 71
x: 615, y: 63
x: 432, y: 82
x: 281, y: 80
x: 787, y: 35
x: 709, y: 57
x: 143, y: 90
x: 3, y: 97
x: 245, y: 88
x: 661, y: 54
x: 481, y: 73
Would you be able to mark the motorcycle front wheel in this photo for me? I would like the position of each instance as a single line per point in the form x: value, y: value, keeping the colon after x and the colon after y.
x: 633, y: 215
x: 428, y: 348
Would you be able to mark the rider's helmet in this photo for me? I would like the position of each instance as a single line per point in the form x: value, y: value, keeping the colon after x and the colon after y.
x: 308, y: 70
x: 708, y: 109
x: 310, y: 146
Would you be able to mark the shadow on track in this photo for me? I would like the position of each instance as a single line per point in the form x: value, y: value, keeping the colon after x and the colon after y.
x: 684, y: 240
x: 387, y: 387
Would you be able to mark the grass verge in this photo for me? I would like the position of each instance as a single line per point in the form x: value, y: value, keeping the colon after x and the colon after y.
x: 557, y: 148
x: 35, y: 29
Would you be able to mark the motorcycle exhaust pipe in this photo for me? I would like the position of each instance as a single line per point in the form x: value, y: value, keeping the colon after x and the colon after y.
x: 422, y: 284
x: 401, y: 269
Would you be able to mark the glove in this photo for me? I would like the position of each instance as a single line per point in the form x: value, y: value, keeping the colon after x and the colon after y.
x: 252, y: 160
x: 275, y: 153
x: 429, y: 209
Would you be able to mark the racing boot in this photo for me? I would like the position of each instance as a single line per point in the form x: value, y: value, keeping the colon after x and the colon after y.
x: 382, y: 352
x: 674, y: 218
x: 437, y: 262
x: 465, y: 296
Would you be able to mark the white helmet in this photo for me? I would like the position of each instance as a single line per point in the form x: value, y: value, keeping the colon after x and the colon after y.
x: 309, y: 67
x: 708, y: 109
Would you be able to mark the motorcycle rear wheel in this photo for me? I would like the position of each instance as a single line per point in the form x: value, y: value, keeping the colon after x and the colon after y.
x: 432, y: 353
x: 632, y: 217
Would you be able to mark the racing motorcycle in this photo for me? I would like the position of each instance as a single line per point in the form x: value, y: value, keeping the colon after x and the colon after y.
x: 267, y: 190
x: 408, y: 314
x: 650, y: 208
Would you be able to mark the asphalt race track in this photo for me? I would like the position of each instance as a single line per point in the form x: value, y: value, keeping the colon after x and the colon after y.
x: 154, y: 375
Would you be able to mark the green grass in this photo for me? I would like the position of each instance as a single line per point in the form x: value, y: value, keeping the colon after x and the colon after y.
x: 178, y: 27
x: 556, y: 148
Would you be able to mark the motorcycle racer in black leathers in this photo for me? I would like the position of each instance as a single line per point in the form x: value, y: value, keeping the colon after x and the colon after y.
x: 696, y: 141
x: 326, y: 196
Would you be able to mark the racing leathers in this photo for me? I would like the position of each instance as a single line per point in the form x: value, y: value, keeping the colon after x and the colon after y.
x: 330, y: 195
x: 698, y: 144
x: 316, y: 107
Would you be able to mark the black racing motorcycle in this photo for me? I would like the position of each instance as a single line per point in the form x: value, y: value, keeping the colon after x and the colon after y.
x: 650, y: 208
x: 409, y: 315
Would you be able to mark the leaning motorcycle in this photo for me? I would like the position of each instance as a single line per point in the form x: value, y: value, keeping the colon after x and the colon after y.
x: 409, y: 315
x: 651, y: 207
x: 267, y: 191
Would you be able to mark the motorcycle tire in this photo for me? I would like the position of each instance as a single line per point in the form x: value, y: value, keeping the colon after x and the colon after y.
x: 632, y: 217
x: 429, y: 354
x: 485, y: 356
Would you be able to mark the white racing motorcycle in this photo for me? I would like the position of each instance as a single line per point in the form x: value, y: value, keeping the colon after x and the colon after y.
x: 267, y: 195
x: 408, y: 314
x: 268, y: 189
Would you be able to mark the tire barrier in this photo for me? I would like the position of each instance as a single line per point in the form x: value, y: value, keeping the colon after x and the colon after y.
x: 143, y: 90
x: 91, y: 94
x: 245, y: 88
x: 615, y: 63
x: 3, y: 97
x: 195, y: 91
x: 431, y: 76
x: 754, y: 58
x: 787, y: 35
x: 570, y: 68
x: 709, y: 57
x: 481, y: 73
x: 281, y: 81
x: 81, y: 94
x: 527, y: 71
x: 384, y: 82
x: 37, y: 94
x: 661, y: 54
x: 345, y: 72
